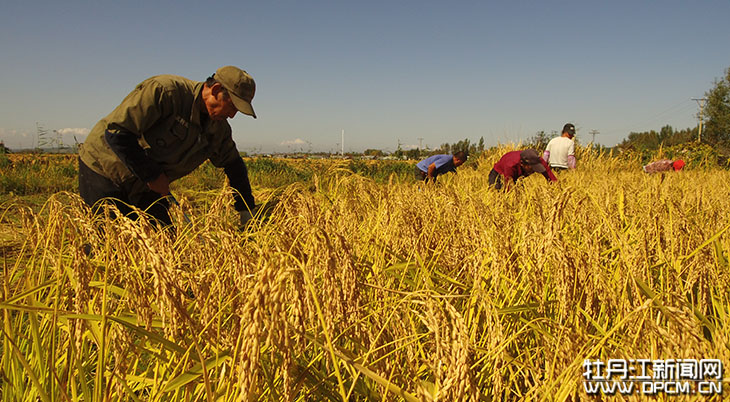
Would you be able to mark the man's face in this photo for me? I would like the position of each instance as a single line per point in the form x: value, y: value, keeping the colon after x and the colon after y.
x: 526, y: 167
x: 219, y: 105
x: 458, y: 162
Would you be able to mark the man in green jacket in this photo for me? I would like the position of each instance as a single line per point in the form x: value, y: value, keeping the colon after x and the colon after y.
x: 164, y: 129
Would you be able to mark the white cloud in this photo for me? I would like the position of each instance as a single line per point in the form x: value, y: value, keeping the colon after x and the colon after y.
x: 297, y: 141
x: 15, y: 138
x: 74, y: 131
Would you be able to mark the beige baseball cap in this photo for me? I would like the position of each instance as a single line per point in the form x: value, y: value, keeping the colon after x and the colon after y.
x: 240, y: 87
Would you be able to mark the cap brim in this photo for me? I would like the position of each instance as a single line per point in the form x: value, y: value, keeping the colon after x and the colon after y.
x: 242, y: 106
x: 538, y: 168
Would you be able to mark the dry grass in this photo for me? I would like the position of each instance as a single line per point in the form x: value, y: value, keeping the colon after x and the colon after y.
x: 354, y: 290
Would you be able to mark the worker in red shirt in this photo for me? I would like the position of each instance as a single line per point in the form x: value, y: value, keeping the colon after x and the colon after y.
x: 516, y: 164
x: 664, y: 165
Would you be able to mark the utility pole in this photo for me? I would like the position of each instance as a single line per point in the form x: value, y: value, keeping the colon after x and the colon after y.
x: 593, y: 133
x: 701, y: 103
x: 342, y: 150
x: 59, y: 141
x: 42, y: 134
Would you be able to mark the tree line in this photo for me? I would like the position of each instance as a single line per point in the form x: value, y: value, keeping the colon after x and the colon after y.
x: 715, y: 132
x: 715, y: 120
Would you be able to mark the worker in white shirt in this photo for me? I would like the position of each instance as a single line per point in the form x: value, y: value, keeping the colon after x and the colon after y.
x: 560, y: 151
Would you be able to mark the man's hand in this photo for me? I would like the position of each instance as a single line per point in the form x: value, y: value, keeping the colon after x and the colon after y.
x: 431, y: 170
x: 160, y: 185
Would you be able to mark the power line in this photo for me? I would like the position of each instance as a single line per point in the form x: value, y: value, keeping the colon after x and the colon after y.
x: 593, y: 133
x: 674, y: 109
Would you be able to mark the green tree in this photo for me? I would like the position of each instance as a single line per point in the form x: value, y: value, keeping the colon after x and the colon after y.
x: 652, y: 140
x: 374, y: 152
x: 718, y: 112
x: 414, y: 153
x: 641, y: 141
x: 463, y: 145
x: 681, y: 136
x: 539, y: 141
x: 665, y: 133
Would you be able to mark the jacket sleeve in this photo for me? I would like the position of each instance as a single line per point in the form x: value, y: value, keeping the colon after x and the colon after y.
x: 140, y: 110
x: 125, y: 146
x: 238, y: 179
x: 571, y: 161
x: 571, y: 155
x: 548, y: 172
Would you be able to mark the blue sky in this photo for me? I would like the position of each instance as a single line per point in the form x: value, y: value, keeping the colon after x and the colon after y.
x: 386, y: 72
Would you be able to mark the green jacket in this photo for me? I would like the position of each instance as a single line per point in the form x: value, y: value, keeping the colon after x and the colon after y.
x: 164, y: 112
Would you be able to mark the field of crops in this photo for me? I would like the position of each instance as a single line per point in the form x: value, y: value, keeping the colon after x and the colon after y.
x: 361, y: 284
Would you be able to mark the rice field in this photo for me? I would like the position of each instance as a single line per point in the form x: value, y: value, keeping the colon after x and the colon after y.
x: 362, y: 286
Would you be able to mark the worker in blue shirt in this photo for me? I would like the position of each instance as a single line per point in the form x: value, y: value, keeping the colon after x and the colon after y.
x: 429, y: 168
